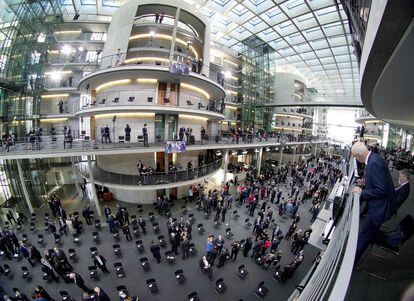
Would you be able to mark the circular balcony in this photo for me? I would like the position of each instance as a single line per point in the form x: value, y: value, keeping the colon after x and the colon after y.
x: 293, y: 115
x: 151, y: 181
x: 129, y: 73
x: 368, y: 119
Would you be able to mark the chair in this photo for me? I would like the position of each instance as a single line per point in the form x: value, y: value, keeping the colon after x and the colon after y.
x: 191, y: 218
x: 32, y: 227
x: 242, y: 272
x: 184, y: 209
x: 93, y: 272
x: 139, y: 208
x: 40, y: 239
x: 152, y: 285
x: 144, y: 264
x: 151, y: 216
x: 169, y: 256
x: 235, y: 214
x: 116, y: 235
x: 261, y: 290
x: 189, y: 103
x: 134, y: 219
x: 150, y: 99
x: 156, y: 228
x: 117, y: 249
x: 73, y: 255
x: 45, y: 274
x: 131, y: 98
x: 229, y: 234
x: 7, y: 271
x: 119, y: 269
x: 47, y: 216
x: 247, y: 223
x: 65, y: 296
x: 102, y: 102
x: 140, y: 245
x: 33, y: 217
x: 26, y: 274
x: 179, y: 276
x: 201, y: 229
x: 162, y: 241
x: 46, y: 229
x: 25, y: 238
x: 220, y: 287
x: 94, y: 251
x: 192, y: 250
x: 116, y: 100
x: 58, y: 239
x: 98, y: 225
x: 95, y: 237
x: 217, y: 223
x: 76, y: 239
x: 135, y: 230
x: 206, y: 215
x: 193, y: 296
x: 121, y: 139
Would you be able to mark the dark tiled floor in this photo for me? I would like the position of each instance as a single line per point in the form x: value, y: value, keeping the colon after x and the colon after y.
x: 135, y: 279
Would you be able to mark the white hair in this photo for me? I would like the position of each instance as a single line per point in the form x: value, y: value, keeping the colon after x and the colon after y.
x: 358, y: 148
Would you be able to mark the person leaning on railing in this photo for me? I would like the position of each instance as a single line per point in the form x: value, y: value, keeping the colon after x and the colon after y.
x: 377, y: 190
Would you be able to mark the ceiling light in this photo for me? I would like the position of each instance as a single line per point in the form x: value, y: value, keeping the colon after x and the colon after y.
x: 66, y: 49
x: 80, y: 49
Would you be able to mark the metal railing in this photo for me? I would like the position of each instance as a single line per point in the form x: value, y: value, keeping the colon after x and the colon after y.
x: 330, y: 279
x: 149, y: 178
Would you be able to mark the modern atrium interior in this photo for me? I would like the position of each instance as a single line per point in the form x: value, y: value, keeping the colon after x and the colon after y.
x: 206, y: 150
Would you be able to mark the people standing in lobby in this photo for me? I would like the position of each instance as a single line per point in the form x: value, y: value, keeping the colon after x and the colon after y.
x: 377, y: 192
x: 127, y: 133
x: 145, y: 135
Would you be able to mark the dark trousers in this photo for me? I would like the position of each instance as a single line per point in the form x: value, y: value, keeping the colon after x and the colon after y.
x: 84, y: 287
x: 367, y: 233
x: 128, y: 236
x: 245, y: 252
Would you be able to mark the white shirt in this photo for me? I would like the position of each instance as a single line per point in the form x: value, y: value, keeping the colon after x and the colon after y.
x: 366, y: 160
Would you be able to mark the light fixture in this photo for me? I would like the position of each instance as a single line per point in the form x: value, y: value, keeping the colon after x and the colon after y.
x: 234, y: 153
x: 195, y: 89
x: 54, y: 96
x: 219, y: 153
x: 227, y: 74
x: 113, y: 83
x: 152, y: 34
x: 244, y: 152
x: 268, y: 149
x: 256, y: 150
x: 66, y: 49
x: 80, y: 49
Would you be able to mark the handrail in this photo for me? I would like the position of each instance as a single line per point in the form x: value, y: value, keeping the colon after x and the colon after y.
x: 331, y: 277
x: 150, y: 178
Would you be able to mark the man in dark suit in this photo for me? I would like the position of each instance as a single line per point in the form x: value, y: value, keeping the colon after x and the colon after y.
x: 100, y: 262
x: 155, y: 250
x: 78, y: 280
x: 378, y: 193
x: 403, y: 190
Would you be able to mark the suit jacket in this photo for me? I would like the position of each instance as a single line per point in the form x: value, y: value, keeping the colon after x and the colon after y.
x: 379, y: 189
x: 401, y: 194
x: 102, y: 296
x: 96, y: 261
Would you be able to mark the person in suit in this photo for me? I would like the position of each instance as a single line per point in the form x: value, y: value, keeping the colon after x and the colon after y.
x: 100, y: 294
x: 155, y: 250
x: 402, y: 191
x: 378, y: 193
x: 100, y: 262
x: 78, y: 280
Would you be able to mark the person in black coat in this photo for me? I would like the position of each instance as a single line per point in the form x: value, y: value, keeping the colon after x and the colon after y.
x: 100, y: 262
x: 100, y: 294
x: 78, y: 280
x: 402, y: 191
x: 247, y: 246
x: 142, y: 224
x: 155, y: 250
x: 86, y: 213
x: 126, y: 231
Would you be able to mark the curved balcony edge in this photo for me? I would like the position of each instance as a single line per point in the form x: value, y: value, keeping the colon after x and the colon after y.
x: 95, y: 110
x: 163, y: 180
x: 130, y: 71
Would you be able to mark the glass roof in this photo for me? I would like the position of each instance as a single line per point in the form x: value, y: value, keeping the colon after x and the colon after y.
x: 310, y: 37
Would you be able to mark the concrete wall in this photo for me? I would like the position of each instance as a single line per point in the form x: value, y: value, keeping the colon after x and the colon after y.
x: 285, y: 87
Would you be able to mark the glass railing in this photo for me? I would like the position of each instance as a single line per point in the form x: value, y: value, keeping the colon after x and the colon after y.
x: 87, y: 17
x: 81, y: 36
x: 66, y: 81
x: 150, y: 177
x: 80, y: 141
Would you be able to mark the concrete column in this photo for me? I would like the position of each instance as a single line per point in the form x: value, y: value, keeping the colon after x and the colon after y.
x: 316, y: 148
x: 94, y: 195
x: 76, y: 177
x: 225, y: 164
x: 281, y: 155
x: 174, y: 34
x: 23, y: 184
x: 259, y: 160
x: 294, y: 153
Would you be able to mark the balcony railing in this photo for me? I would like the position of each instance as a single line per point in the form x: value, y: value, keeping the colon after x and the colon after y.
x: 150, y: 178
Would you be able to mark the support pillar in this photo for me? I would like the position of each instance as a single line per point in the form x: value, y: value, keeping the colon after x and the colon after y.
x: 94, y: 195
x: 259, y: 160
x: 294, y: 153
x: 23, y: 184
x: 174, y: 34
x: 225, y: 164
x: 76, y: 177
x: 281, y: 155
x: 316, y: 148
